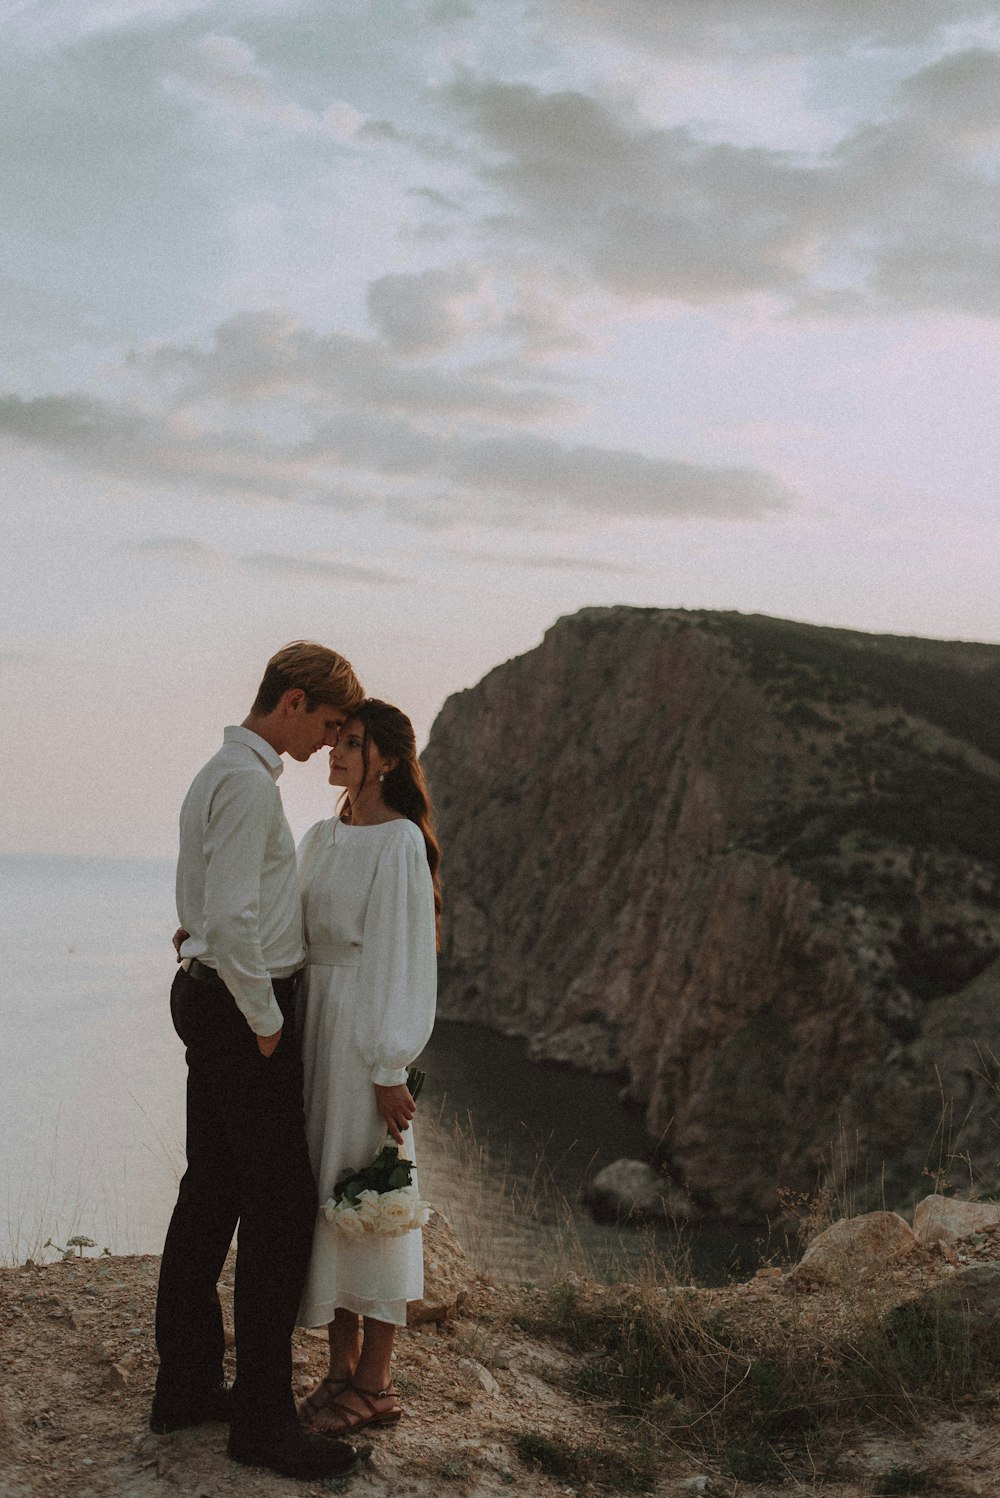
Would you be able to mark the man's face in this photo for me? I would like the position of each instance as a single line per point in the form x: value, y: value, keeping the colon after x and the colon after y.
x: 306, y: 731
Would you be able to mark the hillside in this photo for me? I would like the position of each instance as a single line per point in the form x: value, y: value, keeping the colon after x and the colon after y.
x: 752, y: 865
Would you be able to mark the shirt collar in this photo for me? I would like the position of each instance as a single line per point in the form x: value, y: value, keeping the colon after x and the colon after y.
x: 260, y: 747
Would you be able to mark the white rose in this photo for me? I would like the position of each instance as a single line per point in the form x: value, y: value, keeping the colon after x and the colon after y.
x: 329, y: 1209
x: 368, y: 1207
x: 421, y: 1214
x: 396, y: 1211
x: 349, y: 1223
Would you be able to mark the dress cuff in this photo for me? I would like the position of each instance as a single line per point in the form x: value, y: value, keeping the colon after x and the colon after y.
x: 389, y: 1076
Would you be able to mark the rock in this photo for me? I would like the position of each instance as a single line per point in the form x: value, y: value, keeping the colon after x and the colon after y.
x: 483, y: 1376
x: 449, y: 1278
x: 116, y: 1379
x: 853, y: 1245
x: 632, y: 1191
x: 973, y: 1292
x: 944, y: 1219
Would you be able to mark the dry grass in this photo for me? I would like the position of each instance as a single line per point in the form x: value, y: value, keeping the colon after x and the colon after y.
x: 763, y: 1387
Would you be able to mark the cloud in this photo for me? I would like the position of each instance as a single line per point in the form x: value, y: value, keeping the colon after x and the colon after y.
x: 225, y: 75
x: 903, y: 212
x: 513, y: 304
x: 540, y: 563
x: 435, y: 198
x: 423, y: 312
x: 271, y: 410
x: 179, y: 549
x: 190, y: 552
x: 319, y: 569
x: 261, y: 355
x: 755, y: 26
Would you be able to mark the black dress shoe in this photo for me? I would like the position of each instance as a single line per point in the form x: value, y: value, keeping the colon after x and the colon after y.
x: 293, y: 1452
x: 169, y: 1413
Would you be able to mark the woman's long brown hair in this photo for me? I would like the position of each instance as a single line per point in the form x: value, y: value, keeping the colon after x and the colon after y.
x: 403, y: 787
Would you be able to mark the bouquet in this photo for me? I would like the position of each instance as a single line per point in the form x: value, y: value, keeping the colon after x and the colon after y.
x: 380, y: 1198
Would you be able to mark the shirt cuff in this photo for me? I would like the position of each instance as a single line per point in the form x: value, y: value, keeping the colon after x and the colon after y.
x: 269, y: 1023
x: 389, y: 1076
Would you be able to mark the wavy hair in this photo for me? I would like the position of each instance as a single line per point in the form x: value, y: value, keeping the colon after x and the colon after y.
x: 404, y: 788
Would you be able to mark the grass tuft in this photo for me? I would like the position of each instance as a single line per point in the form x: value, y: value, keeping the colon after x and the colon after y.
x: 902, y: 1480
x: 606, y: 1465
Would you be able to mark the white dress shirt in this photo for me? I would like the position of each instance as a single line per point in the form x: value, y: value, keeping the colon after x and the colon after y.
x: 237, y: 885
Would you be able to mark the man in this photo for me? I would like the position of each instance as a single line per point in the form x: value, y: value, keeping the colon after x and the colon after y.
x: 232, y: 1005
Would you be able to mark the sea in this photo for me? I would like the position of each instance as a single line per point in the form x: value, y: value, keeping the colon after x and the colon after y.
x: 92, y: 1100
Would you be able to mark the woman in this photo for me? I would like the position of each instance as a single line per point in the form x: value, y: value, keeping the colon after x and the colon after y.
x: 370, y: 901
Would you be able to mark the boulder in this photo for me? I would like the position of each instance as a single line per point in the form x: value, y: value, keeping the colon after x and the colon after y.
x: 449, y: 1278
x: 974, y: 1292
x: 943, y: 1219
x: 854, y: 1244
x: 632, y: 1191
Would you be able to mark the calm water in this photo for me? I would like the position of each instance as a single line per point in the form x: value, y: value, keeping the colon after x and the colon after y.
x: 91, y: 1103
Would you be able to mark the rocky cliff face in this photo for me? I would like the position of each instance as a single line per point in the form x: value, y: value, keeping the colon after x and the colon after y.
x: 752, y: 865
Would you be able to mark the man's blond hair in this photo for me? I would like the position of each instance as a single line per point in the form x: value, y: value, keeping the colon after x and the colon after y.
x: 325, y: 677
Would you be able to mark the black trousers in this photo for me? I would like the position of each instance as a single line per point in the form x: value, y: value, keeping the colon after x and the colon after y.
x: 247, y: 1163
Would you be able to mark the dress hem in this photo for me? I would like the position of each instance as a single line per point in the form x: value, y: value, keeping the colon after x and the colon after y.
x: 321, y: 1313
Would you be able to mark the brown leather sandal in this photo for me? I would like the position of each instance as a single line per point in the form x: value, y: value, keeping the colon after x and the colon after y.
x: 321, y: 1398
x: 349, y: 1419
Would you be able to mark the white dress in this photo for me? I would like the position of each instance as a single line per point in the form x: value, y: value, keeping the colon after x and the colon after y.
x: 366, y: 1011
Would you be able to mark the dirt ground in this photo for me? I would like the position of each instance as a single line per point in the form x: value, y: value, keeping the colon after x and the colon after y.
x: 78, y: 1364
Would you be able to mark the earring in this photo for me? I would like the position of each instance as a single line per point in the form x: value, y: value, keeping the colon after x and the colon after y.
x: 381, y: 779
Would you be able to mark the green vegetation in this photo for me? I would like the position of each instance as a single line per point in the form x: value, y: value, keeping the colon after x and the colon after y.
x: 955, y: 687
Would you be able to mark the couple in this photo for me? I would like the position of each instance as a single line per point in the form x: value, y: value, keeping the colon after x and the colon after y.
x: 294, y: 1081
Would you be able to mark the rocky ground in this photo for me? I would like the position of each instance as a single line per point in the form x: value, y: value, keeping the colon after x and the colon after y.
x: 483, y: 1393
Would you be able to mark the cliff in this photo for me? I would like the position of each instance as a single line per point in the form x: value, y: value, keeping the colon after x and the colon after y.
x: 752, y: 865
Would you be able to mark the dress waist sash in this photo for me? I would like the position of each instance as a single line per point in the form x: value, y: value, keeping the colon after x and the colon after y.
x: 334, y: 954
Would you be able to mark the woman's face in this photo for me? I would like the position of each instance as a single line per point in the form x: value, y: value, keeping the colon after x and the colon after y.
x: 347, y: 766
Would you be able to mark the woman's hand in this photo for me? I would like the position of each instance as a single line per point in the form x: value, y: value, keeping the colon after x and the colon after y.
x: 396, y: 1108
x: 180, y: 935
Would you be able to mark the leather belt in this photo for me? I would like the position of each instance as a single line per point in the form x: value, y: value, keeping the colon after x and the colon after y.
x: 202, y: 973
x: 201, y: 970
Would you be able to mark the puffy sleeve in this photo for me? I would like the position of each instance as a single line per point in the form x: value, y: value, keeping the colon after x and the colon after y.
x: 398, y: 975
x: 308, y: 851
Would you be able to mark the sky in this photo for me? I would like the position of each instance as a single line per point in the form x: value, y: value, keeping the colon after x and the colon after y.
x: 412, y: 325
